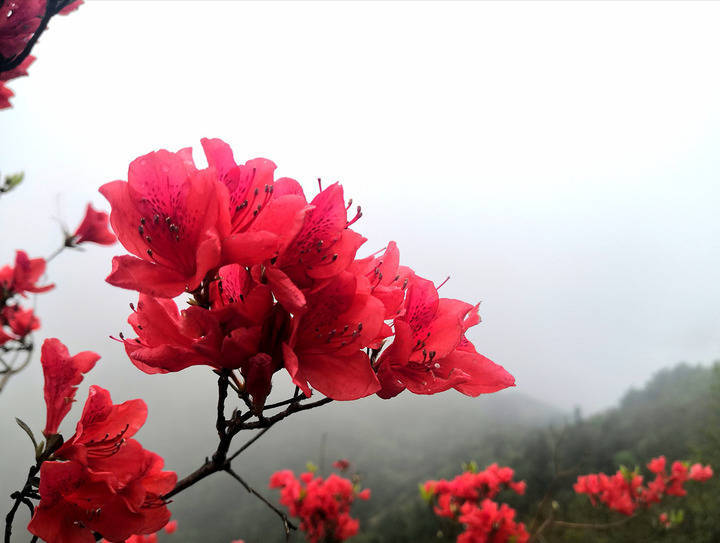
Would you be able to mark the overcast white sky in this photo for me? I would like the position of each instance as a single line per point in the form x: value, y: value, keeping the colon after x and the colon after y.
x: 558, y: 160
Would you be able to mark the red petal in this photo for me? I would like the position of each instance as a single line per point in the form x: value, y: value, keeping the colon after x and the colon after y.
x: 349, y: 377
x: 135, y: 274
x: 289, y: 296
x: 485, y: 375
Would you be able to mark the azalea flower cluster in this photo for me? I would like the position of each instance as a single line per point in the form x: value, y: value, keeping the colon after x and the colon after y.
x: 625, y: 491
x: 100, y: 479
x: 17, y: 322
x: 469, y: 499
x: 19, y: 20
x: 322, y: 505
x: 276, y: 283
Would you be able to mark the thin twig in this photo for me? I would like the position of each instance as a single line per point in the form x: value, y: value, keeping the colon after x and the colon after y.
x: 287, y: 525
x: 591, y: 526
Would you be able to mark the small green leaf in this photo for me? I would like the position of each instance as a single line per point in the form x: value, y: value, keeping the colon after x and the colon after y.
x: 13, y: 180
x: 311, y: 467
x: 425, y: 493
x: 28, y: 431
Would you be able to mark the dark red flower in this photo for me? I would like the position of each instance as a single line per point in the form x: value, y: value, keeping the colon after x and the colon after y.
x: 166, y: 214
x: 341, y: 464
x: 62, y: 375
x: 93, y: 229
x: 18, y: 21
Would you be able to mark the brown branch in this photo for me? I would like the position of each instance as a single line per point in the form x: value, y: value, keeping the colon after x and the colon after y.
x: 292, y: 408
x: 28, y: 488
x: 287, y: 525
x: 228, y: 429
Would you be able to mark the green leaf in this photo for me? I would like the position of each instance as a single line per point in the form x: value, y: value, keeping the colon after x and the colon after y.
x: 425, y: 494
x: 13, y: 180
x: 28, y: 431
x: 311, y: 467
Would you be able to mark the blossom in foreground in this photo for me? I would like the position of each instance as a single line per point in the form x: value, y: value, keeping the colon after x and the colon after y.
x: 321, y: 504
x: 276, y: 283
x: 100, y: 479
x: 625, y: 491
x: 93, y: 229
x: 63, y: 373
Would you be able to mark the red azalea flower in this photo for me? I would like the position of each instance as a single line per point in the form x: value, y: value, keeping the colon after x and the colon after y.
x: 324, y: 246
x: 488, y: 523
x: 102, y: 481
x: 322, y: 505
x: 62, y: 375
x: 341, y: 464
x: 93, y: 228
x: 701, y: 473
x: 387, y: 278
x: 430, y: 352
x: 326, y: 348
x: 166, y: 214
x: 316, y: 245
x: 657, y: 465
x: 20, y: 321
x: 169, y: 340
x: 624, y: 492
x: 23, y: 277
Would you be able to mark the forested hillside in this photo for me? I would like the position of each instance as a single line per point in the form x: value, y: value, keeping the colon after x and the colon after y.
x: 677, y: 414
x: 395, y: 446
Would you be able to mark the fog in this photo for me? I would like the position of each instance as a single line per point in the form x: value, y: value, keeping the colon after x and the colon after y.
x: 558, y: 161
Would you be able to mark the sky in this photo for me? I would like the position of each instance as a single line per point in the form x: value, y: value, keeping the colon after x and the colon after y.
x: 557, y: 160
